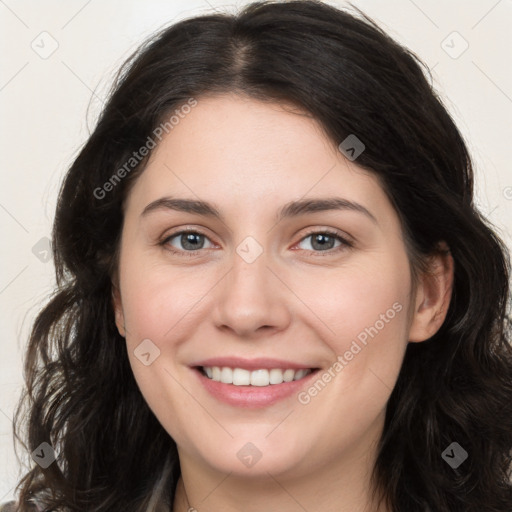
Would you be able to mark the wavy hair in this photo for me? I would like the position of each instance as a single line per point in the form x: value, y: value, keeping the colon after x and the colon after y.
x: 80, y: 395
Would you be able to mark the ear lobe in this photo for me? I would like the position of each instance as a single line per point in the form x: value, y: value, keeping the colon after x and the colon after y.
x: 118, y: 310
x: 433, y: 296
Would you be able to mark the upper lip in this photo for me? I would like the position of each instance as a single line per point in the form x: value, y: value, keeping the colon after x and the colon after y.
x: 251, y: 364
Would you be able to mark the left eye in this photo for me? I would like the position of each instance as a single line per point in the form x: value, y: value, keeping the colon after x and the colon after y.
x: 324, y: 240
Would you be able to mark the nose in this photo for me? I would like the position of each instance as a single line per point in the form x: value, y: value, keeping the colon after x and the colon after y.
x: 252, y: 299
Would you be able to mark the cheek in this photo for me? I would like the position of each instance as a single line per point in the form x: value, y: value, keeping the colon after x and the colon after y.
x: 359, y: 297
x: 158, y: 305
x: 365, y: 311
x: 156, y: 298
x: 365, y: 314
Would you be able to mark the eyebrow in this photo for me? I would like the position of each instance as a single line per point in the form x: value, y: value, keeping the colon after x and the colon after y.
x: 289, y: 210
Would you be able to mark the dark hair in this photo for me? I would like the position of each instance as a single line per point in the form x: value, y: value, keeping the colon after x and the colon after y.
x: 81, y: 396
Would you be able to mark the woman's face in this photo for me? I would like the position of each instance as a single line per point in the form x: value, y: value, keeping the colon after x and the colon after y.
x: 266, y: 289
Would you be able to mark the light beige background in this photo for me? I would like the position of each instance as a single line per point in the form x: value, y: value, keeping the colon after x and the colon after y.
x: 44, y: 102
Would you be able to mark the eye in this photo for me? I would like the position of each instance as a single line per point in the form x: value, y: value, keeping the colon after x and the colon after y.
x: 323, y: 241
x: 191, y: 242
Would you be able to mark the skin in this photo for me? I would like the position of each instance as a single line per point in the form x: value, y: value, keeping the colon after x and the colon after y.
x: 294, y: 302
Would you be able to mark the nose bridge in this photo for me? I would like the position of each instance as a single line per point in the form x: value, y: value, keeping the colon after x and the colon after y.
x: 250, y: 297
x: 249, y: 278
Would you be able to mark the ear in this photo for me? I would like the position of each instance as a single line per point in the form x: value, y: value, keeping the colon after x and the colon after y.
x: 433, y: 296
x: 118, y: 309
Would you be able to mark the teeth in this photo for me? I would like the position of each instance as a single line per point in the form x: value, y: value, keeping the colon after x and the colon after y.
x: 216, y: 373
x: 259, y: 378
x: 275, y: 376
x: 288, y: 375
x: 300, y: 374
x: 263, y: 377
x: 241, y: 377
x: 226, y: 375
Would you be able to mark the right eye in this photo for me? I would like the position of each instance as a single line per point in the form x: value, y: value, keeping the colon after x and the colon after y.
x: 191, y: 242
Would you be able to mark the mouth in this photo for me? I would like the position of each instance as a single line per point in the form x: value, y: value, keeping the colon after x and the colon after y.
x: 252, y: 383
x: 261, y: 377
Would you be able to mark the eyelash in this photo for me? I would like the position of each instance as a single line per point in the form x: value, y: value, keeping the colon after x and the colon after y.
x: 345, y: 244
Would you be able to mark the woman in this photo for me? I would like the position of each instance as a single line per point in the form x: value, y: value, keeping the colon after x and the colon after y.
x: 272, y: 294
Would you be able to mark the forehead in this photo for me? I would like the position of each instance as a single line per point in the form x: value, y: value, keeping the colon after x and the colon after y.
x: 237, y: 150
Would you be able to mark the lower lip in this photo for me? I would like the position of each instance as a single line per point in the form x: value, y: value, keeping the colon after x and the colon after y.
x: 253, y: 396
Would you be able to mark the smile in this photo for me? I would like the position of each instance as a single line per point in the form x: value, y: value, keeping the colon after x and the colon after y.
x: 261, y: 377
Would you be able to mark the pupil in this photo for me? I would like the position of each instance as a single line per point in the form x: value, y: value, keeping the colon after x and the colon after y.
x: 192, y: 239
x: 323, y: 240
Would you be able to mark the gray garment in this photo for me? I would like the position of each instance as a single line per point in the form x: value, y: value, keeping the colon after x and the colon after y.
x: 10, y: 506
